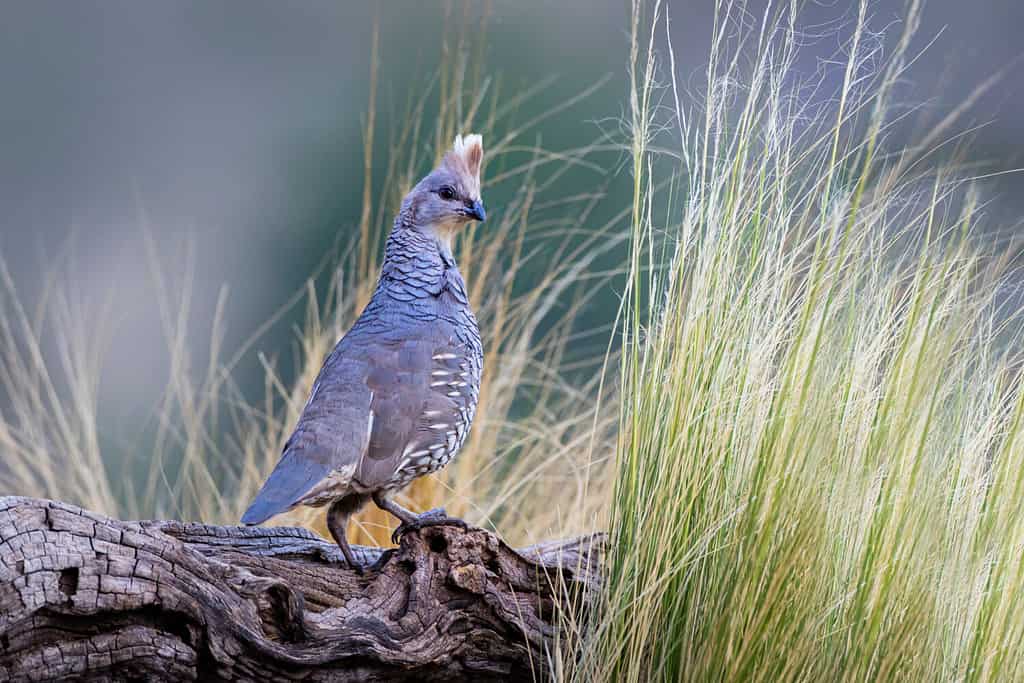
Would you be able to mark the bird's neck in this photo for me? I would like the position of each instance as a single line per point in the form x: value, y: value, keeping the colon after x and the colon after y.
x: 418, y: 262
x: 428, y: 245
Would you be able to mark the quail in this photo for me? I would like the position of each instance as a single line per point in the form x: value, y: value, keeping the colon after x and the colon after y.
x: 396, y: 397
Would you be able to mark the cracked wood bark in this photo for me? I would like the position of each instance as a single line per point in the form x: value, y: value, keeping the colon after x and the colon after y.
x: 85, y: 596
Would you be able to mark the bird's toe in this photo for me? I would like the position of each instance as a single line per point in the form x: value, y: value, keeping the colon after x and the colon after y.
x: 435, y: 517
x: 445, y: 521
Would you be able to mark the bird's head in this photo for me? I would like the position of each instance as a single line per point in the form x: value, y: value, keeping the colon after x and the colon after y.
x: 449, y: 196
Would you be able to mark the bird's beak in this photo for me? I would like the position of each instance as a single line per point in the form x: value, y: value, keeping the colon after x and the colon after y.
x: 476, y: 211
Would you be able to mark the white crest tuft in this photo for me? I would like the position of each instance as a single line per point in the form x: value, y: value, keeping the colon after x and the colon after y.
x: 465, y: 158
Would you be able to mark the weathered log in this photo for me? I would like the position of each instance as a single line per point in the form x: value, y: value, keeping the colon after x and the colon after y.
x: 83, y: 596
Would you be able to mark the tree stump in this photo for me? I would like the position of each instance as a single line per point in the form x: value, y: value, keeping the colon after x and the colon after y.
x: 83, y: 596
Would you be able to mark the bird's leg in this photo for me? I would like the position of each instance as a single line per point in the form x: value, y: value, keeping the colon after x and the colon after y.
x: 337, y: 521
x: 385, y: 503
x: 406, y: 517
x: 410, y: 520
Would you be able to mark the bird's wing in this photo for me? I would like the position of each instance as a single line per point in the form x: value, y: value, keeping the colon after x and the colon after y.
x: 327, y: 444
x: 399, y: 382
x: 419, y: 407
x: 447, y: 412
x: 376, y: 408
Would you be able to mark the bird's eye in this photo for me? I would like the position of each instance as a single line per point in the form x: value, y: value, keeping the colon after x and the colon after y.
x: 446, y: 193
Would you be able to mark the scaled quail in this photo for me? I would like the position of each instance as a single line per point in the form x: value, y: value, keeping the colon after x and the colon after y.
x: 395, y: 398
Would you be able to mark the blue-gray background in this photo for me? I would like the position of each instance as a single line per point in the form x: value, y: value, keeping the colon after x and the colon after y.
x: 238, y: 122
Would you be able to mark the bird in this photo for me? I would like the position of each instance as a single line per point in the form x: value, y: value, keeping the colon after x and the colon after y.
x: 395, y: 398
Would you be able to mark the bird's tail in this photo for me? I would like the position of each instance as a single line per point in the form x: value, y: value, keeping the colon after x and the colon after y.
x: 296, y: 474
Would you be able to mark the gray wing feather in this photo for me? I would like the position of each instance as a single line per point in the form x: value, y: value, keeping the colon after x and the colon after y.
x: 296, y: 473
x: 331, y: 435
x: 400, y: 382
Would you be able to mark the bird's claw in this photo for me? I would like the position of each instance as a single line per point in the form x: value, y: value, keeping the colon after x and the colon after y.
x: 435, y: 517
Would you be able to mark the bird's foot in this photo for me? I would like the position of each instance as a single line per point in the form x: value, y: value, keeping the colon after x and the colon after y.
x: 350, y: 559
x: 435, y: 517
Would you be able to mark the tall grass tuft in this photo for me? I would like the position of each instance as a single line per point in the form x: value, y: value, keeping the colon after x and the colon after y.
x: 820, y: 460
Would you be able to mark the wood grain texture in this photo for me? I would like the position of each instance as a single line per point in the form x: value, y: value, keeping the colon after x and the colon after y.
x: 83, y: 596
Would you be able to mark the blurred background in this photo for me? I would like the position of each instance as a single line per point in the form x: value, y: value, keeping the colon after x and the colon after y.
x: 234, y: 128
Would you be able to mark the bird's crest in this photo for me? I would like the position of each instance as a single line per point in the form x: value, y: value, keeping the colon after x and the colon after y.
x: 464, y: 159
